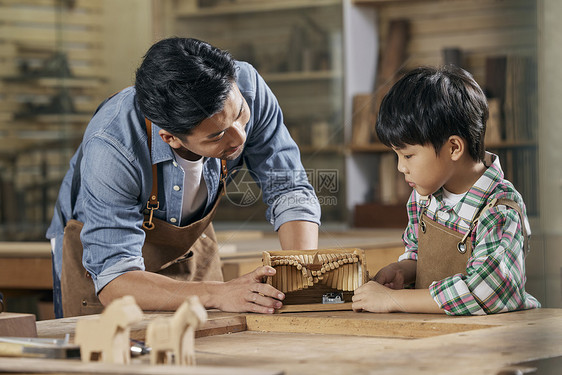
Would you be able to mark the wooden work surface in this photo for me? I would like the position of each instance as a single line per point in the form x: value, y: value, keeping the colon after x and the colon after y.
x: 27, y: 265
x: 345, y: 342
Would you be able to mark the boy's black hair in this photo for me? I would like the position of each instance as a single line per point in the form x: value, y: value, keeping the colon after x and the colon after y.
x: 428, y: 105
x: 183, y: 81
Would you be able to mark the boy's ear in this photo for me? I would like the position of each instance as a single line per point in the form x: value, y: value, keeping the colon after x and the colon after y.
x: 456, y: 147
x: 169, y: 138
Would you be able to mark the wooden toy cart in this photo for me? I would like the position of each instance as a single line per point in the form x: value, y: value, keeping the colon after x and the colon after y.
x: 316, y: 280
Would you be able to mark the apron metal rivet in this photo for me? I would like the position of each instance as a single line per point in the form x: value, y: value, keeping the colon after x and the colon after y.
x: 422, y: 224
x: 461, y: 247
x: 84, y: 302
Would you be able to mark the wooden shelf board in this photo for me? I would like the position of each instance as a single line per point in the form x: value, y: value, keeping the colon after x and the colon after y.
x: 302, y: 76
x: 265, y: 6
x: 321, y: 149
x: 379, y: 147
x: 385, y: 2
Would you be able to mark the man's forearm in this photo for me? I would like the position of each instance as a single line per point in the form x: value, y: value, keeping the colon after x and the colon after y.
x: 156, y: 292
x: 298, y: 235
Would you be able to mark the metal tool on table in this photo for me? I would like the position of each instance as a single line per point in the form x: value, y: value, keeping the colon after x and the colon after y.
x: 138, y: 348
x: 53, y: 348
x: 38, y: 347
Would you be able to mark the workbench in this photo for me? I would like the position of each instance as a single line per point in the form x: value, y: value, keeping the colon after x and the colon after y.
x: 27, y: 265
x: 344, y: 342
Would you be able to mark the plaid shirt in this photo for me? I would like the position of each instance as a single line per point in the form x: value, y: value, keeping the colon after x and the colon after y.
x: 495, y: 273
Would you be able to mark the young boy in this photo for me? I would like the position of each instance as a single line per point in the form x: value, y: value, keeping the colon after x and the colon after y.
x: 467, y: 232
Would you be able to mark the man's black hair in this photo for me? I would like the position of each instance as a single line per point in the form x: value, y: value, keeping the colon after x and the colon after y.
x: 183, y: 81
x: 428, y: 105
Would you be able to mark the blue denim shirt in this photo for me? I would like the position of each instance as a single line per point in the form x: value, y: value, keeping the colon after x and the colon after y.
x: 116, y: 179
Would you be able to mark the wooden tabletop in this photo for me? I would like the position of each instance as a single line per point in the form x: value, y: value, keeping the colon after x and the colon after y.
x: 345, y: 342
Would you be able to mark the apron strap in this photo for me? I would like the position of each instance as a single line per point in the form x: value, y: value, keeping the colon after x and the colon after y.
x: 153, y: 203
x: 505, y: 202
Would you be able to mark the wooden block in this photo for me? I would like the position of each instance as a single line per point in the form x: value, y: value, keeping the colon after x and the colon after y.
x: 393, y: 58
x: 363, y: 121
x: 17, y: 325
x: 494, y: 125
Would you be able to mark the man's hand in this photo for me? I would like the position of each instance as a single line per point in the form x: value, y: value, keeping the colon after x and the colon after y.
x: 374, y: 297
x: 395, y: 275
x: 249, y: 293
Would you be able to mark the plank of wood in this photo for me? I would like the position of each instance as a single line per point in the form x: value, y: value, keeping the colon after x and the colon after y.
x: 17, y: 325
x: 314, y: 307
x: 38, y: 366
x: 218, y: 323
x: 356, y: 324
x: 221, y: 326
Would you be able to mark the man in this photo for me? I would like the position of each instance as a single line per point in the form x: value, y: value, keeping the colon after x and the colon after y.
x: 193, y: 115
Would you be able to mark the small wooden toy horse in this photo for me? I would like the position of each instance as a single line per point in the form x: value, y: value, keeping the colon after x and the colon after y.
x: 175, y: 335
x: 107, y: 336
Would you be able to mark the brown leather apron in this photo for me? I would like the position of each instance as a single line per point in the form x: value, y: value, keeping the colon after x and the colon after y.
x: 187, y: 253
x: 443, y: 252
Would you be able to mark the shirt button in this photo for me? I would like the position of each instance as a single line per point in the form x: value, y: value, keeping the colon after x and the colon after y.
x: 173, y: 220
x: 176, y: 188
x: 203, y: 236
x: 174, y: 164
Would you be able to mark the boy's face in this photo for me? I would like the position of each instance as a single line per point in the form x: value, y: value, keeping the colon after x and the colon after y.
x: 423, y: 169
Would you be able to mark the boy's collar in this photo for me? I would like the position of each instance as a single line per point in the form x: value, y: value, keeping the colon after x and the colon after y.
x: 477, y: 195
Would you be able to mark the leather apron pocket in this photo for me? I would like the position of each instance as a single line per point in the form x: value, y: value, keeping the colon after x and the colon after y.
x: 439, y: 255
x: 77, y: 287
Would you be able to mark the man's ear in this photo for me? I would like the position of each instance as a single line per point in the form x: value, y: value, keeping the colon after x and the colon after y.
x: 169, y: 138
x: 456, y: 147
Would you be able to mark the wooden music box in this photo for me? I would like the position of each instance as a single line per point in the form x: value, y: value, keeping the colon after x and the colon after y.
x: 315, y: 280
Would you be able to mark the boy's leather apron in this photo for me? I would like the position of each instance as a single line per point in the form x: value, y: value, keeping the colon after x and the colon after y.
x: 187, y: 253
x: 443, y: 252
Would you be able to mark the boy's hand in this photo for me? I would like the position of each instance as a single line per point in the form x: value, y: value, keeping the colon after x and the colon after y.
x: 374, y: 297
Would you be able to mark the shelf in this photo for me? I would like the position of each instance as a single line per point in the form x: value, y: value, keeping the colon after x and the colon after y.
x: 373, y: 147
x: 302, y: 76
x: 241, y: 8
x: 386, y: 2
x: 512, y: 144
x: 332, y: 149
x: 57, y: 82
x: 379, y: 147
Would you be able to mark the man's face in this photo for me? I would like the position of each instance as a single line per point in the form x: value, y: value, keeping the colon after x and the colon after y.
x: 220, y: 136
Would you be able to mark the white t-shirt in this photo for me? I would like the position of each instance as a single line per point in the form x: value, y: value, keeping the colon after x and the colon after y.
x: 194, y: 187
x: 451, y: 199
